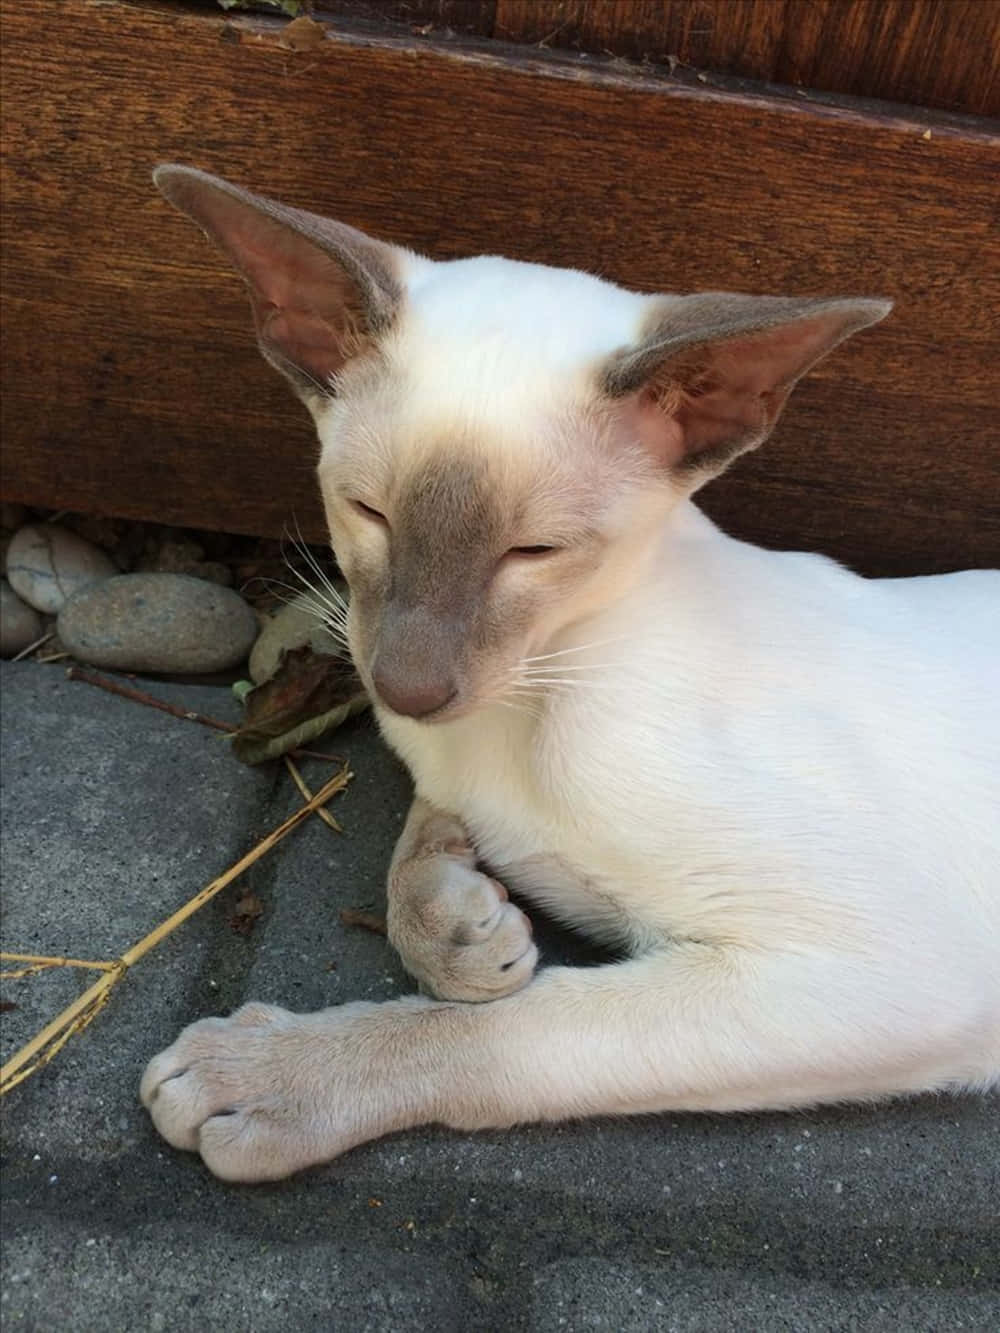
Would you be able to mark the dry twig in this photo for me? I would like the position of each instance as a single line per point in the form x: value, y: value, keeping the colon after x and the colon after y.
x: 76, y: 1016
x: 25, y: 652
x: 353, y: 916
x: 300, y: 782
x: 175, y: 710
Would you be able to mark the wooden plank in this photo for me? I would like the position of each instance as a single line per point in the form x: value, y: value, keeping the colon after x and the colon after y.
x: 935, y: 53
x: 131, y: 384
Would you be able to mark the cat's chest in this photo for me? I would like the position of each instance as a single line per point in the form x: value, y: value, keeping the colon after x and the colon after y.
x: 515, y: 796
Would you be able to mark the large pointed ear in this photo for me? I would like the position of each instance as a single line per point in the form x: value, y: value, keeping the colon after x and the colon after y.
x: 321, y: 292
x: 710, y: 373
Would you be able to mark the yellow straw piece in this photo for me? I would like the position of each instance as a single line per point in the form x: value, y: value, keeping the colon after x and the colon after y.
x: 300, y: 782
x: 41, y: 962
x: 76, y: 1016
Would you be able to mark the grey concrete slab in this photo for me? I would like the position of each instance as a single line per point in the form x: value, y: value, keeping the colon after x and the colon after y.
x: 879, y: 1218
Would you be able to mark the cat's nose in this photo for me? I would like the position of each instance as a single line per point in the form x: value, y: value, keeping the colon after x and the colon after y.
x: 413, y: 697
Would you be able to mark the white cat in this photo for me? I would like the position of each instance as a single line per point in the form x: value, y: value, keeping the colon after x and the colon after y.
x: 775, y: 783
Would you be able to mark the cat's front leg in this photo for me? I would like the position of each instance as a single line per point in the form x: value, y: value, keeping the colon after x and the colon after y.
x: 454, y: 927
x: 265, y: 1092
x: 690, y: 1027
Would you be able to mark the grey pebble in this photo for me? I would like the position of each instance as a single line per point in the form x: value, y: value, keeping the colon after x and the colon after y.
x: 158, y: 622
x: 20, y: 624
x: 47, y: 564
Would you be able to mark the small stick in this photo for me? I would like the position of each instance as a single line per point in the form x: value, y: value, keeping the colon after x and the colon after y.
x: 141, y: 697
x: 40, y: 962
x: 352, y: 916
x: 300, y: 782
x: 175, y: 710
x: 86, y: 1006
x: 32, y: 646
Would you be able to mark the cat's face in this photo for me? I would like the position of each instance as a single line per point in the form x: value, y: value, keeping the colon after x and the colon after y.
x: 501, y: 441
x: 468, y: 548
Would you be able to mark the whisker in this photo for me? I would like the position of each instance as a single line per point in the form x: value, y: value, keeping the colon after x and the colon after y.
x: 312, y: 601
x: 310, y: 558
x: 579, y: 648
x: 327, y: 594
x: 539, y: 681
x: 517, y: 707
x: 589, y: 666
x: 334, y: 626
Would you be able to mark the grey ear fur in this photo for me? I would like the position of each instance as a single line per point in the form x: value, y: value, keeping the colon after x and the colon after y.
x: 321, y: 291
x: 713, y: 370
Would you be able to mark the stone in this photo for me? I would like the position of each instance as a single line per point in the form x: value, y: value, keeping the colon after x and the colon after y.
x: 20, y: 624
x: 295, y: 625
x: 47, y: 564
x: 183, y: 555
x: 172, y: 555
x: 158, y: 622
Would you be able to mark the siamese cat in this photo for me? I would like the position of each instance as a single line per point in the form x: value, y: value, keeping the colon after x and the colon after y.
x: 772, y: 784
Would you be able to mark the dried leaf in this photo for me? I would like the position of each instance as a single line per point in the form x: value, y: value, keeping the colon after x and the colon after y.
x: 248, y: 908
x: 303, y: 34
x: 309, y: 694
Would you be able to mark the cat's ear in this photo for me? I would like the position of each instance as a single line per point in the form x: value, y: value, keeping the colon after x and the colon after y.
x: 321, y: 292
x: 711, y: 372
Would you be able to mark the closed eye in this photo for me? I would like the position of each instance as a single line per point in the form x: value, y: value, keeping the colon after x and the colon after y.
x: 368, y: 512
x: 532, y: 550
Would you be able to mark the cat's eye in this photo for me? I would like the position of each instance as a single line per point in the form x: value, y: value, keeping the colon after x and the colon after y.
x: 532, y: 550
x: 374, y: 514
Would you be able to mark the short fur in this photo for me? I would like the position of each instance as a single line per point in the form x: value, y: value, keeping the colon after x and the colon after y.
x: 774, y: 783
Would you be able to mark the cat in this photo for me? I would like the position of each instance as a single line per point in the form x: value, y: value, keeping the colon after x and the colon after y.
x: 772, y: 784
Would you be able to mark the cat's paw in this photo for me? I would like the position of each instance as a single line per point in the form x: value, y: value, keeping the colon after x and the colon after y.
x: 263, y: 1093
x: 456, y: 930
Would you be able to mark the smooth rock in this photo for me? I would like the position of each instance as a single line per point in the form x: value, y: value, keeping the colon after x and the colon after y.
x: 295, y: 625
x: 20, y: 624
x: 47, y: 564
x: 158, y: 622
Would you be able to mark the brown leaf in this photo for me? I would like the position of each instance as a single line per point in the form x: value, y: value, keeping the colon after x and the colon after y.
x: 306, y: 685
x: 303, y: 34
x: 248, y: 908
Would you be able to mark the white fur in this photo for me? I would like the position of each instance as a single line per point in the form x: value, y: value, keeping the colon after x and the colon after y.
x: 777, y: 783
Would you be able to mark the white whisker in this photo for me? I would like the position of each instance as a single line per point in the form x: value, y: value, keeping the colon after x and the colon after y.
x: 580, y: 648
x: 314, y: 564
x: 517, y: 707
x: 589, y: 666
x: 313, y: 603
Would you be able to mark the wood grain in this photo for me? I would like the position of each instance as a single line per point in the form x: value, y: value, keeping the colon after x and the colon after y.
x: 936, y: 53
x: 131, y: 383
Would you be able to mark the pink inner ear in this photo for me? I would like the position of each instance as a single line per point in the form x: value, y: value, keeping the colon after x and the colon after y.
x: 713, y: 400
x: 659, y: 432
x: 305, y: 340
x: 304, y: 303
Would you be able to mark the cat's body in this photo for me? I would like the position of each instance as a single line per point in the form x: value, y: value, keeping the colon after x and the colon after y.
x: 692, y: 779
x: 774, y: 784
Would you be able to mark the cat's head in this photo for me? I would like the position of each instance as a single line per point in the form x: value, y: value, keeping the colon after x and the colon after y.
x: 501, y: 442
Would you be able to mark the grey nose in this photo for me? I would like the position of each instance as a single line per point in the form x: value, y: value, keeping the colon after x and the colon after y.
x: 412, y: 697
